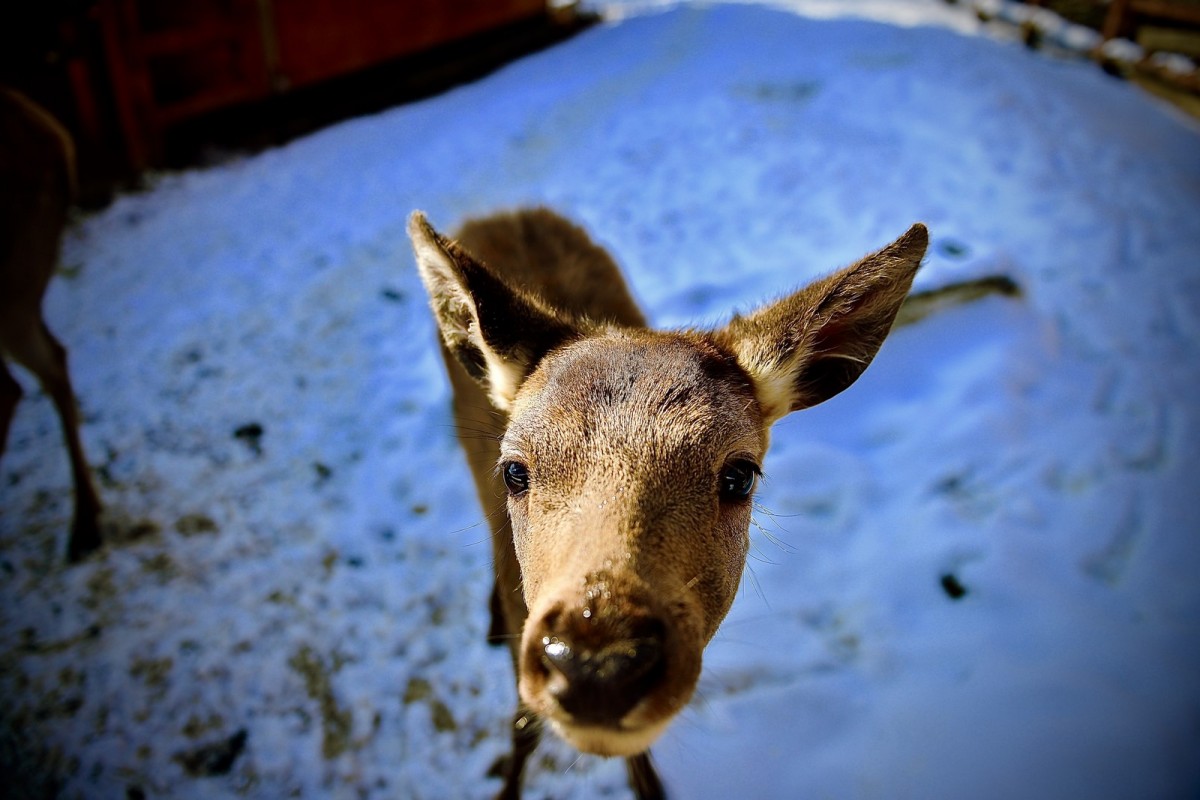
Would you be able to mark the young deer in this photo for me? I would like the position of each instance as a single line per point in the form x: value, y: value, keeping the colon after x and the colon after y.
x: 37, y: 183
x: 618, y: 492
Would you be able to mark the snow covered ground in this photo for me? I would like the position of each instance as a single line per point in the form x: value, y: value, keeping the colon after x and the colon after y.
x: 293, y: 604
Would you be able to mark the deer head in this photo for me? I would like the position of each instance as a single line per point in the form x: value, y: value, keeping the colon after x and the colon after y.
x: 630, y: 458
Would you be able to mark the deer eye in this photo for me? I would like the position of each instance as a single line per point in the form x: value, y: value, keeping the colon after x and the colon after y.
x: 737, y: 480
x: 516, y: 477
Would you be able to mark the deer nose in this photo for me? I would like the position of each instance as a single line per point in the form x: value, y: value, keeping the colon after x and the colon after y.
x: 598, y: 678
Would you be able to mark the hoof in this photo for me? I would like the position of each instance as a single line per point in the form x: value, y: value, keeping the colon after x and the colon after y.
x: 85, y: 539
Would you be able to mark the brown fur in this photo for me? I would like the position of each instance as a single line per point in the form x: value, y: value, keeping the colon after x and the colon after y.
x: 37, y: 178
x: 616, y: 564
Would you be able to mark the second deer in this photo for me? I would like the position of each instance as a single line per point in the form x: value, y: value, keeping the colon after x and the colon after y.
x: 37, y: 183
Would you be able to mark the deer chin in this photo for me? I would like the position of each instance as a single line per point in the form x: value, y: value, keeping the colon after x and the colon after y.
x: 604, y: 741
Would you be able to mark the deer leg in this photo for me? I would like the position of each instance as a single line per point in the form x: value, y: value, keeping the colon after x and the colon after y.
x: 46, y: 358
x: 643, y: 777
x: 497, y: 635
x: 10, y: 395
x: 526, y: 731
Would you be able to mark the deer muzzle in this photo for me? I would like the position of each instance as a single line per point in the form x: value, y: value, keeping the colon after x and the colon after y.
x: 607, y: 669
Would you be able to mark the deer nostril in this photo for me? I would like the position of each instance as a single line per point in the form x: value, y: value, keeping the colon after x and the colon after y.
x: 556, y: 664
x: 556, y: 655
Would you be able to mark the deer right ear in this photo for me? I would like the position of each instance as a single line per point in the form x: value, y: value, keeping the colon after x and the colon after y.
x: 496, y: 332
x: 806, y: 348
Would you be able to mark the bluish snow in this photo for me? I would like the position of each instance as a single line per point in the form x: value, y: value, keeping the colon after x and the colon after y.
x: 323, y: 588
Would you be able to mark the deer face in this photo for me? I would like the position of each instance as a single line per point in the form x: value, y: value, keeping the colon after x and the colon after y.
x: 630, y: 459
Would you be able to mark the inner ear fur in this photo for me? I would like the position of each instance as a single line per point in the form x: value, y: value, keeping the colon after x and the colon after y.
x: 813, y: 344
x: 497, y: 332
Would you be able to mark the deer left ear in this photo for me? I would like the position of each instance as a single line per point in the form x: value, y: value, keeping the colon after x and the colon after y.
x: 808, y: 347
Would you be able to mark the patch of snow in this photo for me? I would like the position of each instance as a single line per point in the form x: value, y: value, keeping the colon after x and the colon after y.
x: 298, y: 554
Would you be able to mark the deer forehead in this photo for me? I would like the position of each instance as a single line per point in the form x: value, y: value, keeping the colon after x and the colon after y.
x: 667, y: 402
